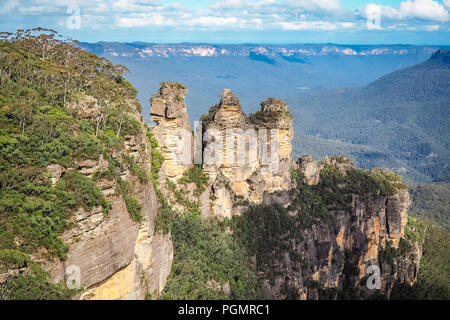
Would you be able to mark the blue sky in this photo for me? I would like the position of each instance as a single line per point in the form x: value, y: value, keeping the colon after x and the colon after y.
x: 237, y: 21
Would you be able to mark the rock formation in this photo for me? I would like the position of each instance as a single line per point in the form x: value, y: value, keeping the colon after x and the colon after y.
x: 116, y: 257
x: 248, y: 162
x: 173, y: 131
x: 246, y: 157
x: 342, y: 252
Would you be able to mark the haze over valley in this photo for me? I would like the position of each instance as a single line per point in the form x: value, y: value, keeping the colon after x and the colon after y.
x: 314, y: 80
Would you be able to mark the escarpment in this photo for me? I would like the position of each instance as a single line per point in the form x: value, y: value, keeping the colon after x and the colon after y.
x: 91, y: 196
x: 320, y: 230
x: 246, y: 157
x: 78, y: 205
x: 349, y: 230
x: 116, y: 254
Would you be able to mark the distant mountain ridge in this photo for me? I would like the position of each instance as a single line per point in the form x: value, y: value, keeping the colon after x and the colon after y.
x: 403, y: 118
x: 150, y: 50
x: 382, y: 117
x: 254, y: 71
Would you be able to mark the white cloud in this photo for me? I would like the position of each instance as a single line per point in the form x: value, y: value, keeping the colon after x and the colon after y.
x: 9, y: 6
x: 315, y: 5
x: 134, y: 5
x: 159, y: 20
x: 315, y: 25
x: 227, y: 4
x: 144, y: 20
x: 431, y: 27
x: 101, y: 7
x: 416, y: 9
x: 37, y: 10
x: 208, y: 21
x: 424, y: 9
x: 292, y: 15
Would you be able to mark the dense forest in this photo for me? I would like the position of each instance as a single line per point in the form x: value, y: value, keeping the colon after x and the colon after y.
x: 431, y: 201
x: 42, y: 76
x: 399, y: 121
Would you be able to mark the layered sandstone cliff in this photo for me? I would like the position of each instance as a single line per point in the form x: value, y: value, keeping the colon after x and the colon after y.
x: 113, y: 256
x: 246, y: 157
x: 173, y: 131
x: 340, y: 233
x: 335, y: 255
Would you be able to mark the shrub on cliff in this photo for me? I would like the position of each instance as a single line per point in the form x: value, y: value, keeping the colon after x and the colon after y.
x: 58, y: 104
x: 205, y: 258
x: 197, y: 176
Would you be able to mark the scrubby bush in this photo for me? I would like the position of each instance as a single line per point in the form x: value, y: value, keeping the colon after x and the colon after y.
x: 197, y: 176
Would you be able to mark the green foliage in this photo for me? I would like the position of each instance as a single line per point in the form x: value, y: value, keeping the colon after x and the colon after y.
x: 134, y: 208
x: 433, y: 280
x: 270, y: 116
x: 197, y: 176
x: 165, y: 218
x: 112, y: 172
x: 10, y: 259
x: 166, y: 213
x: 42, y: 77
x: 157, y: 158
x: 349, y: 272
x: 415, y: 232
x: 173, y: 84
x: 431, y: 201
x: 33, y: 284
x: 135, y: 169
x: 398, y: 121
x: 265, y: 231
x: 133, y: 205
x: 205, y: 258
x: 82, y: 191
x: 336, y: 187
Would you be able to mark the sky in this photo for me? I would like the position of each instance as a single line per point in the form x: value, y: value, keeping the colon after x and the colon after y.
x: 236, y: 21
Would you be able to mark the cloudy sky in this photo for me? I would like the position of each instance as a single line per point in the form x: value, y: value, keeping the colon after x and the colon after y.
x: 237, y: 21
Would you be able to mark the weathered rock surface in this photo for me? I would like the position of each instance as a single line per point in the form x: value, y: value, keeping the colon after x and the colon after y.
x: 173, y: 131
x: 246, y: 157
x: 337, y: 254
x: 117, y: 257
x: 248, y: 161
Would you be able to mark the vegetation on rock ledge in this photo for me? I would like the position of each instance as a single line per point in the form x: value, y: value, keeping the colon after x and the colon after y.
x: 58, y: 105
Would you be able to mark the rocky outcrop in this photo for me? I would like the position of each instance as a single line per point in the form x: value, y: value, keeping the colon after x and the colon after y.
x: 310, y: 168
x: 335, y: 258
x: 115, y: 257
x: 173, y: 131
x: 248, y: 162
x: 246, y: 157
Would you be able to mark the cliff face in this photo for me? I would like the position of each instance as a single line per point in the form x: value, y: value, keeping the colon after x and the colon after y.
x: 344, y: 225
x: 92, y: 197
x: 335, y: 257
x: 341, y: 222
x: 246, y: 157
x: 173, y: 131
x: 117, y: 257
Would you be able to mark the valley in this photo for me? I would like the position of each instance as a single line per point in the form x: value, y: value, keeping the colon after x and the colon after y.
x: 98, y: 204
